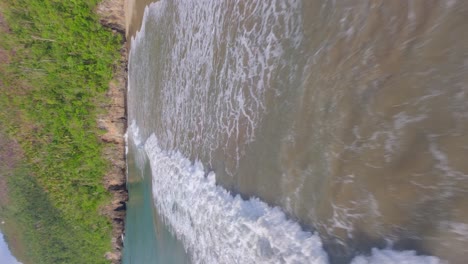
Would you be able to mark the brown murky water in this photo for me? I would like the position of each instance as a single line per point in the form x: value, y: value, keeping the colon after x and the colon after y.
x: 352, y: 116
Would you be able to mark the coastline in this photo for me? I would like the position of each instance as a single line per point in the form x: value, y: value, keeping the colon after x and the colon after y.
x: 121, y: 16
x: 114, y: 124
x: 134, y: 11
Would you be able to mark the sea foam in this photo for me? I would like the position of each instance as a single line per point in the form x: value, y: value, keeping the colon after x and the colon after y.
x: 217, y: 227
x: 213, y: 225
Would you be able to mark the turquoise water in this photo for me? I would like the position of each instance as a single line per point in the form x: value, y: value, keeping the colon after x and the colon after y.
x: 146, y: 240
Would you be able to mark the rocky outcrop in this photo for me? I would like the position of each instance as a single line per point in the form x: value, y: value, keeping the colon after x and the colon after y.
x: 113, y: 124
x: 112, y: 14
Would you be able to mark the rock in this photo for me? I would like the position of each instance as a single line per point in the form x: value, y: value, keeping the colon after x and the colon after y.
x: 111, y: 138
x: 102, y: 124
x: 112, y: 15
x: 112, y: 256
x: 115, y: 185
x: 122, y: 207
x: 114, y: 123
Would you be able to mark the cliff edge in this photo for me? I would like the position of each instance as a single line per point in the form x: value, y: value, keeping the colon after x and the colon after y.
x: 114, y: 124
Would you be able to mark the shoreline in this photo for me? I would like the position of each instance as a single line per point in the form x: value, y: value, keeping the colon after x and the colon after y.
x: 134, y: 11
x: 114, y: 124
x: 121, y: 16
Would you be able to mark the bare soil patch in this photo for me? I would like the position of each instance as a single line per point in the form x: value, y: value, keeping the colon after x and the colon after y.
x: 114, y: 123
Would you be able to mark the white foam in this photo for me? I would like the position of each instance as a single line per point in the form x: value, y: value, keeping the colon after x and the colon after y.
x: 386, y: 256
x: 214, y: 83
x: 216, y: 227
x: 219, y: 228
x: 135, y: 134
x: 213, y: 225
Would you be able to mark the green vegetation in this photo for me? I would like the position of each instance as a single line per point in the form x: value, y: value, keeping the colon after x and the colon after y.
x: 50, y: 238
x: 61, y: 61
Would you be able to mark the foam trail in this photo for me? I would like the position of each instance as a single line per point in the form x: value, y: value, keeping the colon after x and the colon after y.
x: 216, y: 227
x: 214, y: 84
x: 393, y: 257
x: 213, y: 225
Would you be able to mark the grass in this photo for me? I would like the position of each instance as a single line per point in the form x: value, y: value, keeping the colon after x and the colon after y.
x: 50, y: 92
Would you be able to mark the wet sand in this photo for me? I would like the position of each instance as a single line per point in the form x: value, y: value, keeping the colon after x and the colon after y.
x: 134, y: 10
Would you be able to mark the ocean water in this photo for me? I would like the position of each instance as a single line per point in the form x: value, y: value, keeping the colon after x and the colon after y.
x: 300, y: 131
x: 147, y: 239
x: 6, y: 257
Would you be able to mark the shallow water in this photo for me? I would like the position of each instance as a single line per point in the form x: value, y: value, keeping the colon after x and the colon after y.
x: 147, y: 240
x: 352, y: 117
x: 6, y: 256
